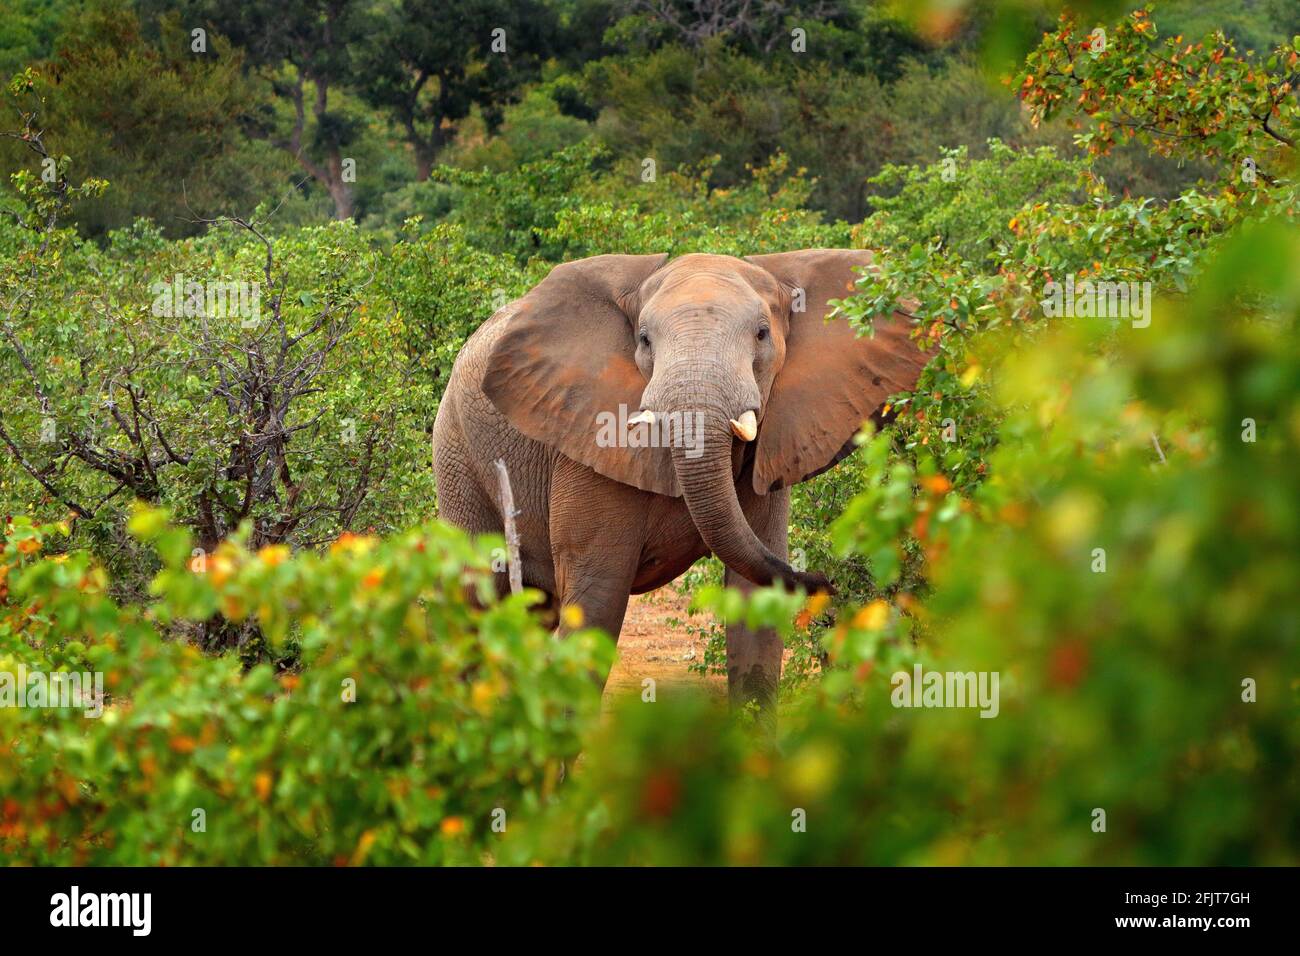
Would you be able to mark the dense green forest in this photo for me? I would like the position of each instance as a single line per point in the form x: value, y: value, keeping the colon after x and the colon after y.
x: 230, y: 512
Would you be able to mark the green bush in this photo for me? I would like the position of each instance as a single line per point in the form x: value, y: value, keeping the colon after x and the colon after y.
x: 416, y: 722
x: 579, y: 202
x: 310, y: 418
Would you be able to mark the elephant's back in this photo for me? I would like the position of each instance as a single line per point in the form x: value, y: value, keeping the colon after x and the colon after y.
x: 471, y: 362
x: 464, y: 399
x: 470, y: 434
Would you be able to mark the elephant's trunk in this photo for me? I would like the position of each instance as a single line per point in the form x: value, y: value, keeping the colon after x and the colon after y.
x: 703, y: 468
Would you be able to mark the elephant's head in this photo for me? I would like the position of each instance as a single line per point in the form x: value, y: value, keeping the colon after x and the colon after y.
x: 711, y: 353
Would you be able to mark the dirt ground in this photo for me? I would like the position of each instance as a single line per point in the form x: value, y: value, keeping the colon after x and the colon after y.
x: 649, y: 646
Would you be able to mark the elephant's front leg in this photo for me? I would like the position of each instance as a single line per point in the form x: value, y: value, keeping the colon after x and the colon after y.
x: 599, y: 597
x: 754, y: 657
x: 597, y: 535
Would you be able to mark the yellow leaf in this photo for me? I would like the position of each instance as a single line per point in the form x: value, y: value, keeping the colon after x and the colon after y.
x: 481, y: 696
x: 814, y: 606
x: 812, y: 770
x: 364, y: 844
x: 274, y: 554
x: 873, y: 617
x: 936, y: 484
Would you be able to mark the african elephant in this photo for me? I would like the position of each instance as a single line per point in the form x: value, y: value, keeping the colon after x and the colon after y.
x: 652, y: 411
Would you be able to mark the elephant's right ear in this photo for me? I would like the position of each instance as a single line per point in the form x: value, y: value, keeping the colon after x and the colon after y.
x: 566, y: 361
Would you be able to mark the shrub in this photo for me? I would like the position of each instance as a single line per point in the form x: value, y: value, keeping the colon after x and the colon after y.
x: 308, y: 414
x: 579, y: 202
x: 415, y: 723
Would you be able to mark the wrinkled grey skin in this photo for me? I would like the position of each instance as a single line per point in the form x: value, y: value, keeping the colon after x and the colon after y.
x: 709, y: 337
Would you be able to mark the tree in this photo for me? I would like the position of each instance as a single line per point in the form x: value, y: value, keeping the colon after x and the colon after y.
x: 159, y: 122
x: 307, y: 49
x: 430, y: 61
x: 28, y: 31
x: 1182, y: 97
x: 755, y: 27
x: 236, y: 381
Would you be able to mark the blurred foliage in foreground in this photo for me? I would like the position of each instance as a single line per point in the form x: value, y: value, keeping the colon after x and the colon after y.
x: 1138, y: 605
x: 415, y: 724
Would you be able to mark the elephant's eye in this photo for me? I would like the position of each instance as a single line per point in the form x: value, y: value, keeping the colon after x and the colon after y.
x: 645, y: 339
x: 762, y: 334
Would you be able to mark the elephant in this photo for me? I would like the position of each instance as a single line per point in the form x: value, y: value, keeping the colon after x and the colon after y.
x: 653, y: 410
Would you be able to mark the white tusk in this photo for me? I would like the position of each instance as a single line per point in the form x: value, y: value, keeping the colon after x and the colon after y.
x: 746, y: 427
x: 646, y: 417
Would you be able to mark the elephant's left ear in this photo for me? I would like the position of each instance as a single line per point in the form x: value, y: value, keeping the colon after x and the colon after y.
x: 832, y: 380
